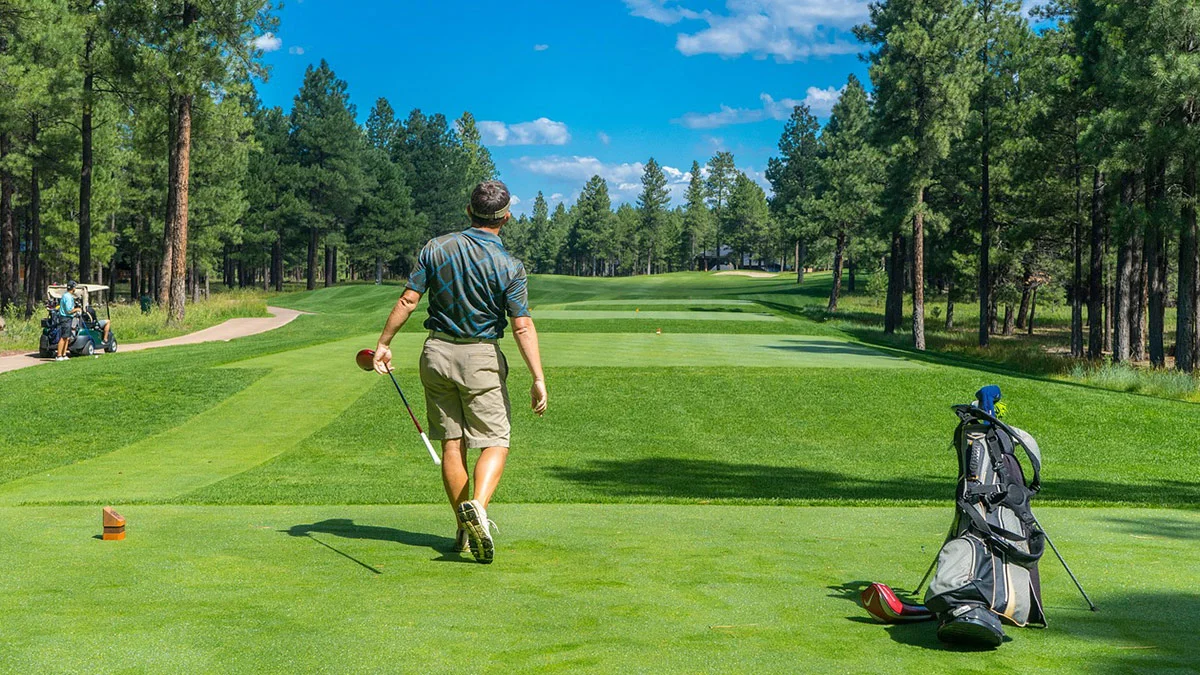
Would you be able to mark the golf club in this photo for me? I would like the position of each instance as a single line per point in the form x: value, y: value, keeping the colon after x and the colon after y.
x: 366, y: 360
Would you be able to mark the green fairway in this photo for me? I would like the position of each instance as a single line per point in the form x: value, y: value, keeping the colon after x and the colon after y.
x: 740, y: 476
x: 653, y: 315
x: 641, y: 589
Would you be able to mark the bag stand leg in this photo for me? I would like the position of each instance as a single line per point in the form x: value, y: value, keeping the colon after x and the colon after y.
x: 1067, y: 567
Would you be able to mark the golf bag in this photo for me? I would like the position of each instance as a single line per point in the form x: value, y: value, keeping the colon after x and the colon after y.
x: 987, y: 568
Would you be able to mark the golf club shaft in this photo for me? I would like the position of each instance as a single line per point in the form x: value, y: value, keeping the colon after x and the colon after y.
x: 428, y: 446
x: 1067, y: 567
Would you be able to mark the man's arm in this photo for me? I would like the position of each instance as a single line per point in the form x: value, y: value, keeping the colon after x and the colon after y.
x: 527, y: 342
x: 400, y: 313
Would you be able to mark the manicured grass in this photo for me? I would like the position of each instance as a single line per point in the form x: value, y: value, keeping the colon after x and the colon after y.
x: 705, y: 500
x: 640, y: 589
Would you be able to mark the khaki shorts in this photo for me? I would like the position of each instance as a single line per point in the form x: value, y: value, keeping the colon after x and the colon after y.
x: 465, y: 392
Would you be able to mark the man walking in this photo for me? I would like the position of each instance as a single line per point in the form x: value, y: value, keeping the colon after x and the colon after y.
x: 473, y: 283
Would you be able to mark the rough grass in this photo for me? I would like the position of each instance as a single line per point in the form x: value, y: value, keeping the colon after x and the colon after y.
x: 131, y: 325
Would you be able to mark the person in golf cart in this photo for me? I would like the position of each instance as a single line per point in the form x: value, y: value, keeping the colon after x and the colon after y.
x: 68, y: 316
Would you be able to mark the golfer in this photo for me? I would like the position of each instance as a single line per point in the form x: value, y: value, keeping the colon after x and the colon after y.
x: 473, y: 283
x: 67, y: 312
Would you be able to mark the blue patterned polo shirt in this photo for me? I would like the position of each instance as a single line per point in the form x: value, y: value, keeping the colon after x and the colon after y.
x: 472, y: 282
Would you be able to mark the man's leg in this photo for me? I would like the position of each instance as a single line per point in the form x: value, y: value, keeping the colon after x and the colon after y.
x: 487, y: 473
x: 455, y: 477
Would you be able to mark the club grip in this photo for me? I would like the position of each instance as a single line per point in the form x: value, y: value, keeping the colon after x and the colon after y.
x: 429, y: 446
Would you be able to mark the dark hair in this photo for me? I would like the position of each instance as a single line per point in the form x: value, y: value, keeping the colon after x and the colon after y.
x: 489, y: 203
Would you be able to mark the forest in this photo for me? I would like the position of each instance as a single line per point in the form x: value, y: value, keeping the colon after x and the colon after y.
x: 996, y: 156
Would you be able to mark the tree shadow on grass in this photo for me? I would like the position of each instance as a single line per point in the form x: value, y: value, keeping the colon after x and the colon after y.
x: 1165, y: 527
x: 1141, y: 632
x: 681, y: 478
x: 844, y: 348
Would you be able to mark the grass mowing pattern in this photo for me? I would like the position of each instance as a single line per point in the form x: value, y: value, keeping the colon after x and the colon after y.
x: 682, y: 587
x: 660, y: 588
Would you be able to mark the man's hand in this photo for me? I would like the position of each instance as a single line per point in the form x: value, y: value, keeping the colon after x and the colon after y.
x: 383, y: 359
x: 538, y: 397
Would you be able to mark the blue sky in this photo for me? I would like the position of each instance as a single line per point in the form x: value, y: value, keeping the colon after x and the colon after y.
x: 564, y: 90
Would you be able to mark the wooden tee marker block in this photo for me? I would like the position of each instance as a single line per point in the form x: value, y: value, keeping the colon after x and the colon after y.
x: 114, y: 525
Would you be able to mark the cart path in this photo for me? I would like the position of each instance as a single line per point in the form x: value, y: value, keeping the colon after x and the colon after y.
x: 223, y: 332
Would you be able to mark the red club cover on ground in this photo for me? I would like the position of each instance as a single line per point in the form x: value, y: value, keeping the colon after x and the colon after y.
x: 883, y: 604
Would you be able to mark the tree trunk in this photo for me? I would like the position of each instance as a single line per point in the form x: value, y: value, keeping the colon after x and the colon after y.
x: 950, y: 305
x: 33, y: 268
x: 1138, y: 300
x: 853, y: 268
x: 163, y: 285
x: 918, y: 292
x: 329, y: 264
x: 85, y: 171
x: 1023, y: 310
x: 1096, y: 271
x: 277, y: 262
x: 1009, y: 319
x: 1077, y: 270
x: 986, y: 311
x: 801, y: 259
x: 1123, y: 284
x: 179, y: 230
x: 9, y: 250
x: 312, y: 258
x: 378, y: 270
x: 894, y: 307
x: 1185, y: 328
x: 838, y: 254
x: 1156, y: 256
x: 1032, y: 310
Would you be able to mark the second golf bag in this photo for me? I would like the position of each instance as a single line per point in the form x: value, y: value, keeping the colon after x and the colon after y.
x: 987, y: 569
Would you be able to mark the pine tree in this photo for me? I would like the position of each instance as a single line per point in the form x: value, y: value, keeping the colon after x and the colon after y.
x: 697, y: 221
x: 593, y: 219
x: 748, y: 216
x: 794, y: 177
x: 652, y: 206
x: 851, y: 175
x: 479, y: 165
x: 176, y: 51
x: 721, y: 174
x: 327, y: 145
x: 923, y: 84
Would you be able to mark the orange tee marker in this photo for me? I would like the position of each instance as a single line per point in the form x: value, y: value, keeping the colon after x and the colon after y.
x: 114, y: 525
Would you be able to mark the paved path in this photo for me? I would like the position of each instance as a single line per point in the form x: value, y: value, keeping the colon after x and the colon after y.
x: 224, y: 332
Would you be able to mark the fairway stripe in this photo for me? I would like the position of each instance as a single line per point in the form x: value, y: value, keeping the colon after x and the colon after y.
x: 263, y: 420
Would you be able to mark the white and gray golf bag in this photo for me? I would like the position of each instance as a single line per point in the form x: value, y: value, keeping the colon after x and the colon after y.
x: 987, y: 569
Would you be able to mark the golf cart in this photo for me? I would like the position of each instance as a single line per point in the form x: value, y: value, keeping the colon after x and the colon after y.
x: 86, y: 329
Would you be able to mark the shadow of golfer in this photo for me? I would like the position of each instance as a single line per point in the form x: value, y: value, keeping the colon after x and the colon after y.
x: 348, y: 529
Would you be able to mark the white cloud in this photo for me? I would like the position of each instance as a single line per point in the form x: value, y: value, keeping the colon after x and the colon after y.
x: 513, y: 200
x: 296, y: 50
x: 604, y: 138
x: 787, y: 30
x: 542, y: 131
x: 624, y: 179
x: 540, y: 48
x: 819, y: 101
x: 267, y: 42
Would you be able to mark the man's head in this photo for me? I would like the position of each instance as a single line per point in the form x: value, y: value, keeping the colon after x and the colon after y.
x: 71, y: 285
x: 489, y: 204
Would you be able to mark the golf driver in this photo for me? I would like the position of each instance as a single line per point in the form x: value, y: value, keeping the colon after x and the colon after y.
x: 366, y: 361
